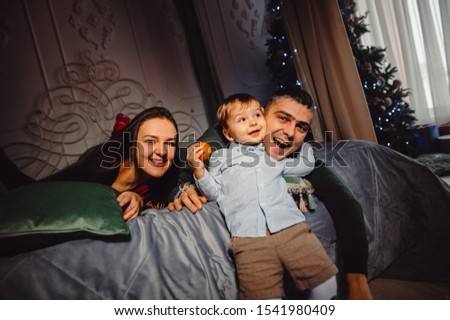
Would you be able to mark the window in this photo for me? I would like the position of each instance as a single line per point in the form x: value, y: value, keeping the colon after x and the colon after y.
x: 415, y: 33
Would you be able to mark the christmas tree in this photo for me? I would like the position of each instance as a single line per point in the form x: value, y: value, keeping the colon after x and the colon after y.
x: 279, y: 58
x: 392, y: 117
x: 280, y: 61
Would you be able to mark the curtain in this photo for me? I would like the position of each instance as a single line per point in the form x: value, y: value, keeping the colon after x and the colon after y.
x: 326, y: 67
x: 201, y: 58
x: 415, y: 33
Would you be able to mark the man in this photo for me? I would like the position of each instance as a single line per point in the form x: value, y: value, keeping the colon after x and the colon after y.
x: 287, y: 117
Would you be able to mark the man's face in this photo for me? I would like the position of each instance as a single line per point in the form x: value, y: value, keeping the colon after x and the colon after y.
x: 287, y: 125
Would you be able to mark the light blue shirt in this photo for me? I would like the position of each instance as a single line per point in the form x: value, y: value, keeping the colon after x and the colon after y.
x: 250, y: 190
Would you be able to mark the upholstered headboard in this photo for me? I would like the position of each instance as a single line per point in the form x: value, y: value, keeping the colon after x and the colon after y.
x: 80, y: 112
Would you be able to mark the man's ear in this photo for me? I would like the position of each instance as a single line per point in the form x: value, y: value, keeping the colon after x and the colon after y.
x: 227, y: 134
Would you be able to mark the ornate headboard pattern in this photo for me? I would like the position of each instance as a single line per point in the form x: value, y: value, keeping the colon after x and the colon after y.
x: 80, y: 113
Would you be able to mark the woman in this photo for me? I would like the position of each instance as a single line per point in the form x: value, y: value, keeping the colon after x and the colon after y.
x: 137, y: 161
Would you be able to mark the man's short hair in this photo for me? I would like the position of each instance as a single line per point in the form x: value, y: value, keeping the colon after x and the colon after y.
x: 296, y: 94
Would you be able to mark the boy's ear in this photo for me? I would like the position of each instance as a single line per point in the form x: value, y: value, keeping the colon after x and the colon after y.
x: 227, y: 134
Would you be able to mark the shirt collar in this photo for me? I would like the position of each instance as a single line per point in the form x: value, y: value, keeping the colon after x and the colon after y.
x: 248, y: 147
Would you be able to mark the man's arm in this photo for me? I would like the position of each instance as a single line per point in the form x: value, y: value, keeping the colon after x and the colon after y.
x: 347, y: 215
x: 301, y: 164
x: 185, y: 194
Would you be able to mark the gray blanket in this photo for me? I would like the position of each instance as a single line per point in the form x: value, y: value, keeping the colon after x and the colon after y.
x: 180, y: 255
x: 406, y: 209
x: 170, y: 256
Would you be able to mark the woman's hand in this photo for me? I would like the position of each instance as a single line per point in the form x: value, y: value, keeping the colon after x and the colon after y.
x: 189, y: 198
x: 131, y: 204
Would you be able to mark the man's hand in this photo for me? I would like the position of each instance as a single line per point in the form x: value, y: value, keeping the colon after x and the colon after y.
x: 310, y: 186
x: 189, y: 198
x: 358, y: 288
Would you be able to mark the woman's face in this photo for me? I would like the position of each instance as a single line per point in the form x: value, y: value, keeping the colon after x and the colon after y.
x: 155, y: 146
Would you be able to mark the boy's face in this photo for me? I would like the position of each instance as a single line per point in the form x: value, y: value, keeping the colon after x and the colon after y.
x: 287, y: 125
x: 246, y: 125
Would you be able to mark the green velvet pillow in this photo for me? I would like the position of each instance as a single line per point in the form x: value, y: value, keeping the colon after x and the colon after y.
x: 46, y: 213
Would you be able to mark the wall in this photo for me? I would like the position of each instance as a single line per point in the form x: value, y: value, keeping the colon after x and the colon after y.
x: 67, y: 67
x: 236, y: 32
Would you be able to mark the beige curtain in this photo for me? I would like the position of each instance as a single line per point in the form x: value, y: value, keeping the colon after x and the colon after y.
x: 326, y: 67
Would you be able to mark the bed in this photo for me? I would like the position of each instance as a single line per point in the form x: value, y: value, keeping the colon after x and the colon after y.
x: 180, y: 255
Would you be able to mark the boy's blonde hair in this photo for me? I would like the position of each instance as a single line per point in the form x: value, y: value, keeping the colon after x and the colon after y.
x: 239, y: 100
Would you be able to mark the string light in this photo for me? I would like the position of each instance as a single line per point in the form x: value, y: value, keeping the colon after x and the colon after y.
x: 281, y: 69
x: 375, y: 79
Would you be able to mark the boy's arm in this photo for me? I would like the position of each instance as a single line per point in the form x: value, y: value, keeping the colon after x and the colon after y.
x: 210, y: 185
x: 189, y: 196
x: 208, y: 182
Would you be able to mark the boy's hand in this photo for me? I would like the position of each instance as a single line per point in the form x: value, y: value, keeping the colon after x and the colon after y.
x: 194, y: 156
x: 131, y: 204
x: 207, y: 150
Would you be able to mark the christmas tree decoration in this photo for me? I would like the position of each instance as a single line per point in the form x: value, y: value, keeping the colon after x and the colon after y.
x: 279, y: 57
x: 392, y: 117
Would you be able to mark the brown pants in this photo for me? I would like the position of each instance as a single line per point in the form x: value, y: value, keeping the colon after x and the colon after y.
x: 260, y: 262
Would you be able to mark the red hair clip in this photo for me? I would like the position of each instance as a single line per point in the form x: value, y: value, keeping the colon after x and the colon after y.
x: 121, y: 122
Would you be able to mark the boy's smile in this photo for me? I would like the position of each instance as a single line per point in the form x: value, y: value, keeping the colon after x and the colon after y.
x: 246, y: 125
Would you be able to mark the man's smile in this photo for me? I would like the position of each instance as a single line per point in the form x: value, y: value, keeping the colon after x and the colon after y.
x: 282, y: 144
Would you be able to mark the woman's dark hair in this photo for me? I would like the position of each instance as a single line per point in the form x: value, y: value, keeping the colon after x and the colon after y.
x: 101, y: 163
